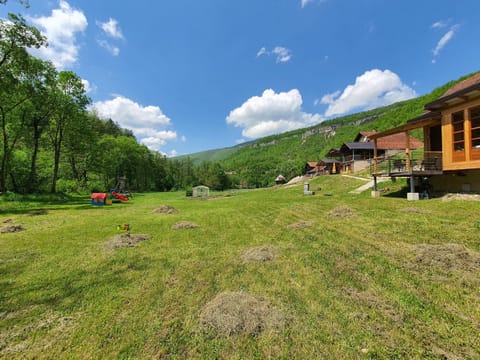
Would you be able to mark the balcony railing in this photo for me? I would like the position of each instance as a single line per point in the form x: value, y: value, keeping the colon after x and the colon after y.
x: 398, y: 165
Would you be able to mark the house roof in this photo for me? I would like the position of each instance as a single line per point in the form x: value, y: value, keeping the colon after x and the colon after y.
x: 364, y: 133
x: 397, y: 142
x: 330, y: 161
x: 462, y: 85
x: 358, y: 145
x: 463, y: 91
x: 458, y: 93
x: 394, y: 141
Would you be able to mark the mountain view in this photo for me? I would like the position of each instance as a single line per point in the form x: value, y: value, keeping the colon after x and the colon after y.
x: 259, y: 162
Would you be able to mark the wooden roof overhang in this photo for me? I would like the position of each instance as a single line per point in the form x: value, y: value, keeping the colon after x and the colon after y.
x: 455, y: 98
x: 428, y: 119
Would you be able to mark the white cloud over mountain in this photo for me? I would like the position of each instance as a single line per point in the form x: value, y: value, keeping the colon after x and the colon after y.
x: 271, y: 113
x: 61, y: 29
x: 372, y: 89
x: 148, y: 123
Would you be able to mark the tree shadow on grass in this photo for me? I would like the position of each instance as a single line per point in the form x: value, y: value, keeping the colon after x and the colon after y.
x: 35, y: 205
x: 397, y: 193
x: 71, y: 290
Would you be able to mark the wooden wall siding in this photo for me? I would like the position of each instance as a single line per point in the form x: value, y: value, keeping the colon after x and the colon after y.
x: 459, y: 160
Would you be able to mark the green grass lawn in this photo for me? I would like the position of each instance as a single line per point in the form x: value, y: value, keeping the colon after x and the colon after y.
x: 353, y: 276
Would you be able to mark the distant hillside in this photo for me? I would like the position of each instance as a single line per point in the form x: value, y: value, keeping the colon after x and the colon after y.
x: 258, y: 162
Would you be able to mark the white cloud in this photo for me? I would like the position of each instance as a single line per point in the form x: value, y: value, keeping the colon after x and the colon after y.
x: 112, y: 49
x: 271, y: 113
x: 89, y: 88
x: 306, y: 2
x: 282, y: 54
x: 439, y: 25
x: 111, y: 28
x: 262, y: 51
x: 444, y: 41
x: 372, y: 89
x: 148, y: 123
x: 61, y: 29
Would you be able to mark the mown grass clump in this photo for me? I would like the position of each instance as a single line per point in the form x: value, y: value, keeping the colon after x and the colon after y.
x: 340, y: 276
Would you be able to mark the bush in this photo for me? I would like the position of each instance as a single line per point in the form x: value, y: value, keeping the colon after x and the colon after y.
x: 67, y: 186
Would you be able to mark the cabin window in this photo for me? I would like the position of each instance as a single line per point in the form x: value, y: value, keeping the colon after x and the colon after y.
x: 475, y: 123
x: 458, y: 132
x: 458, y: 136
x: 475, y: 129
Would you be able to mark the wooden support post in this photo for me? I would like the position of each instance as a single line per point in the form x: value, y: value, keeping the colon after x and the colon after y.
x: 375, y: 192
x: 407, y: 152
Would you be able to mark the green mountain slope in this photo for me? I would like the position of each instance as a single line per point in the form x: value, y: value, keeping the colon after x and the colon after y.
x: 257, y: 163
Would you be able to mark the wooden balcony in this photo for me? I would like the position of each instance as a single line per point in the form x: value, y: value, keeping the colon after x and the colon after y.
x: 399, y: 166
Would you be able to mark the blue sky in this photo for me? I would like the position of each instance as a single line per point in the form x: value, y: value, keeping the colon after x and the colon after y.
x: 194, y: 75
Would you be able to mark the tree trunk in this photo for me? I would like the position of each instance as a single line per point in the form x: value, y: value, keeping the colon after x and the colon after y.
x: 32, y: 178
x: 3, y: 166
x: 57, y: 146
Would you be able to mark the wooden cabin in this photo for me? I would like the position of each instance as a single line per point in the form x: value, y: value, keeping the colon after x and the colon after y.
x: 357, y: 155
x: 451, y: 156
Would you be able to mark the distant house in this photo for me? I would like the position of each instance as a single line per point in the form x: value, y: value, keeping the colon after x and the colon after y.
x: 314, y: 168
x: 451, y: 156
x: 280, y: 180
x: 358, y: 155
x: 323, y: 167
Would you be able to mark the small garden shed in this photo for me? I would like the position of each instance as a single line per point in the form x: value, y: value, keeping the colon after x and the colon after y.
x: 201, y: 191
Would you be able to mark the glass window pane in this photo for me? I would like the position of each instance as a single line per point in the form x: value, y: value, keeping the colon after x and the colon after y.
x: 458, y: 136
x: 475, y: 112
x: 476, y: 123
x: 475, y: 117
x: 458, y: 126
x: 476, y: 143
x: 458, y: 146
x: 457, y: 117
x: 475, y: 133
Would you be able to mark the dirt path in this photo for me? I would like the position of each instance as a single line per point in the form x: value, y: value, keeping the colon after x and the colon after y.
x: 367, y: 186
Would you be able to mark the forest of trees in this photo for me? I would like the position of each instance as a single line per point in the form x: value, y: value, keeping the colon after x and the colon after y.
x: 50, y: 142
